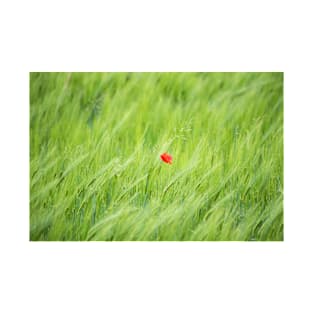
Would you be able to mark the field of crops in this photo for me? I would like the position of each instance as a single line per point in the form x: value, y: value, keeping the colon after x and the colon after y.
x: 95, y: 166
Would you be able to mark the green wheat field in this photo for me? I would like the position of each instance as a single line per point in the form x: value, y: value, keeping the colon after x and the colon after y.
x: 95, y: 167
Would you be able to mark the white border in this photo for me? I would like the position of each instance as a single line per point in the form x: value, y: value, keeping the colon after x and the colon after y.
x: 156, y: 36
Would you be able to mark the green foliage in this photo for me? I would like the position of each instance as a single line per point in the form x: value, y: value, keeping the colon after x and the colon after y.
x: 95, y: 145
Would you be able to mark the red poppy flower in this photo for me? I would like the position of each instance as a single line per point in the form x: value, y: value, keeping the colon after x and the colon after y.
x: 166, y: 158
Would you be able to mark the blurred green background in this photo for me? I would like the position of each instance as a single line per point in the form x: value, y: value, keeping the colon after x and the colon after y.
x: 95, y: 145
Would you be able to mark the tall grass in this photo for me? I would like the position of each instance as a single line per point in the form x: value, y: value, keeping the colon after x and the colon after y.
x: 95, y: 142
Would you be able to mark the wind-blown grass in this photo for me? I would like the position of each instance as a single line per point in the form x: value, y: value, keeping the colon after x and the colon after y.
x: 95, y: 145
